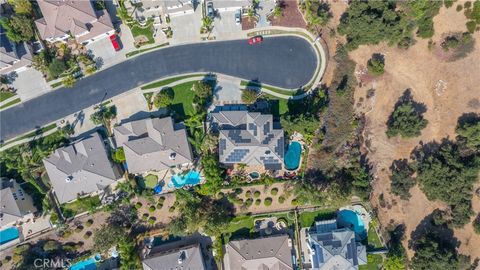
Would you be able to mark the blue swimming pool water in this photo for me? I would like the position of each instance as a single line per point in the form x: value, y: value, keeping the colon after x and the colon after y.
x: 292, y: 157
x: 191, y: 178
x: 348, y: 218
x: 89, y: 264
x: 8, y: 235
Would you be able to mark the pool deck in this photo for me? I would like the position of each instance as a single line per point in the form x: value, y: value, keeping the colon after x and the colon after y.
x: 165, y: 176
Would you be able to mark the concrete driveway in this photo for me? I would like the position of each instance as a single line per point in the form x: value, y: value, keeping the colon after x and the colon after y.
x: 103, y: 51
x: 283, y: 61
x: 227, y: 91
x: 30, y: 84
x: 225, y: 24
x: 186, y: 27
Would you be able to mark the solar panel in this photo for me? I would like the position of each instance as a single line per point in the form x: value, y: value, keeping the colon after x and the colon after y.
x: 237, y: 155
x: 354, y: 252
x: 222, y: 145
x: 235, y: 135
x: 337, y: 244
x: 280, y: 147
x: 266, y: 128
x: 253, y: 128
x: 268, y: 139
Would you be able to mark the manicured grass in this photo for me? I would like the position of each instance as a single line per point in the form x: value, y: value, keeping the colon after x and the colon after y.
x: 307, y: 219
x: 34, y: 133
x: 130, y: 54
x: 80, y: 205
x: 151, y: 181
x: 271, y: 88
x: 279, y: 106
x: 374, y: 262
x: 6, y: 95
x: 11, y: 103
x: 169, y: 81
x: 373, y: 239
x: 183, y: 101
x: 146, y: 31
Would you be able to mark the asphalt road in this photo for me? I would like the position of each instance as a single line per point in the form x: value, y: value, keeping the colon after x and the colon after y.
x: 286, y: 61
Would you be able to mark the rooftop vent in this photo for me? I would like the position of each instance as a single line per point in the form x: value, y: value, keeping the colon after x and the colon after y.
x: 172, y: 156
x: 69, y: 179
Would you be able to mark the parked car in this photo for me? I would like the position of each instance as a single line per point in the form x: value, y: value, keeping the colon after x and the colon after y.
x: 210, y: 10
x: 255, y: 40
x: 113, y: 39
x: 238, y: 17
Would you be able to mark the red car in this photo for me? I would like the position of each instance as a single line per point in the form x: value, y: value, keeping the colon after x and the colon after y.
x: 255, y: 40
x: 113, y: 39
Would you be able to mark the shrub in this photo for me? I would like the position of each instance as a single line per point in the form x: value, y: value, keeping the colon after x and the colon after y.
x: 401, y: 178
x: 89, y: 223
x: 66, y: 233
x: 249, y: 202
x: 476, y: 224
x: 248, y: 194
x: 295, y: 202
x: 249, y: 96
x: 376, y: 65
x: 268, y: 201
x: 258, y: 201
x: 164, y: 98
x: 256, y: 194
x: 51, y: 245
x: 138, y: 205
x: 471, y: 26
x: 281, y: 199
x: 171, y: 209
x: 152, y: 220
x: 87, y: 235
x: 151, y: 209
x: 119, y: 155
x: 467, y: 5
x: 145, y: 217
x: 448, y: 3
x: 56, y: 67
x: 161, y: 199
x: 274, y: 191
x: 459, y: 8
x: 78, y: 229
x: 159, y: 205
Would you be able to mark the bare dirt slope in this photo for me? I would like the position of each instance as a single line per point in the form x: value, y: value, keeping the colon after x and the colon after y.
x: 448, y: 89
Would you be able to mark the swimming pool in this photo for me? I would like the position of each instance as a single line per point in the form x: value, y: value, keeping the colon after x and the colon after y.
x: 180, y: 180
x: 8, y: 235
x: 292, y: 157
x: 90, y: 264
x: 350, y: 219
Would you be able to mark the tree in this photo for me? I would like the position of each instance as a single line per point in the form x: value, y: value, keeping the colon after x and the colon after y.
x: 213, y: 174
x: 317, y: 13
x: 51, y: 245
x: 421, y: 12
x: 18, y: 28
x: 129, y: 258
x: 56, y: 67
x: 307, y: 192
x: 476, y: 224
x: 406, y: 119
x: 199, y: 213
x: 444, y: 174
x: 119, y: 155
x: 203, y: 92
x: 401, y: 179
x: 164, y: 98
x: 469, y: 132
x: 103, y: 116
x: 41, y: 61
x: 68, y: 81
x: 433, y: 253
x: 249, y: 96
x: 376, y: 64
x: 124, y: 215
x: 21, y: 6
x: 107, y: 236
x: 367, y: 23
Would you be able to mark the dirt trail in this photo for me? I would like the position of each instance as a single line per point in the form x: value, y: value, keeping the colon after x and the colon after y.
x: 448, y: 89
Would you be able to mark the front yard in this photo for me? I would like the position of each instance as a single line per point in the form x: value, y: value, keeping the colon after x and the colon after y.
x: 307, y: 219
x: 143, y: 34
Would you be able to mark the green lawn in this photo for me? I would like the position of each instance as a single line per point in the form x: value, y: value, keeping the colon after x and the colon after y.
x: 132, y: 53
x: 161, y: 83
x: 6, y: 95
x: 182, y: 103
x: 57, y: 84
x: 307, y: 219
x: 271, y: 88
x: 278, y: 106
x: 33, y: 133
x: 80, y: 205
x: 146, y: 31
x: 151, y: 181
x: 374, y: 262
x: 11, y: 103
x: 373, y: 239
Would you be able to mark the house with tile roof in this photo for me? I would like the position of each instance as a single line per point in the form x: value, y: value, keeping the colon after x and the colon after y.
x: 331, y: 247
x: 268, y: 253
x: 153, y: 144
x: 15, y: 205
x: 80, y: 169
x: 72, y: 18
x: 249, y: 138
x: 187, y: 257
